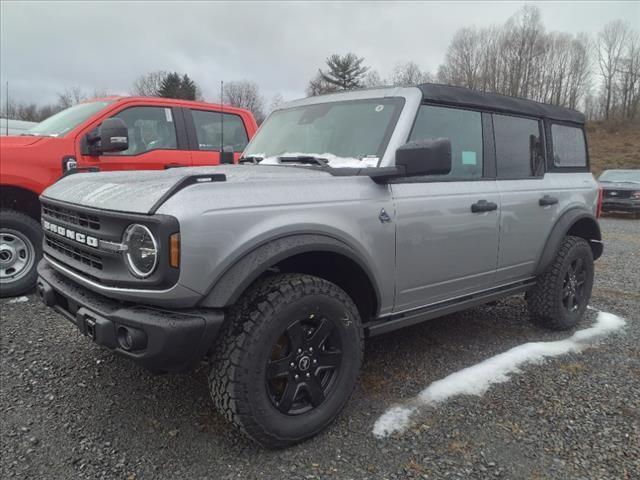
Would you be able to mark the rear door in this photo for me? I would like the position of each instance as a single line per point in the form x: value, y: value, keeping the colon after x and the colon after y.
x: 444, y: 248
x: 529, y: 198
x: 211, y: 131
x: 157, y: 140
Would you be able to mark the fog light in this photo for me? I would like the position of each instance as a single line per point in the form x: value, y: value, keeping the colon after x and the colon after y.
x: 131, y: 338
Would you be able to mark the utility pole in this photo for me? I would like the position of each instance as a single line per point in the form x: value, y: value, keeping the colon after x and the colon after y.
x: 221, y: 116
x: 6, y: 113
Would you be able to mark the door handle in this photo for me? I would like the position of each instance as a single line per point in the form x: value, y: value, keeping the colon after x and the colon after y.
x: 547, y: 200
x: 483, y: 206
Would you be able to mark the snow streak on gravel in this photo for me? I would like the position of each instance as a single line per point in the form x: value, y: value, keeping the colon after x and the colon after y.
x: 19, y: 300
x: 477, y: 379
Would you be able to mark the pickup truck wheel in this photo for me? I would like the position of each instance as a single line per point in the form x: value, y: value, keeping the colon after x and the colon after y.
x: 288, y: 359
x: 561, y: 294
x: 20, y: 249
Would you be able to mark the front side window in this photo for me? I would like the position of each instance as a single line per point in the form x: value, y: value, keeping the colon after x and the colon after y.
x: 63, y: 122
x: 215, y: 130
x: 356, y: 130
x: 463, y: 128
x: 569, y: 149
x: 150, y: 128
x: 518, y: 147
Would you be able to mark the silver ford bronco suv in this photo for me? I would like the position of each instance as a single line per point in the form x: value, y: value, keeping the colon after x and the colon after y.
x: 349, y: 215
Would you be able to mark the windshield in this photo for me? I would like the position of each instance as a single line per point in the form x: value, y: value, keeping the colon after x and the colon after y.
x: 68, y: 119
x: 620, y: 176
x: 348, y: 133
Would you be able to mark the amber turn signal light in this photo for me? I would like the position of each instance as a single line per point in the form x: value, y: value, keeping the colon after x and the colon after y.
x: 174, y: 250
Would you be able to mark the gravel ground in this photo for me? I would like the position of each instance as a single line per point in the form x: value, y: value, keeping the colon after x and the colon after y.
x: 70, y: 409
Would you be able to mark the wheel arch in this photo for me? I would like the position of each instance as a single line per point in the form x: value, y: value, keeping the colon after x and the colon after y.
x: 20, y: 199
x: 576, y: 222
x: 313, y: 254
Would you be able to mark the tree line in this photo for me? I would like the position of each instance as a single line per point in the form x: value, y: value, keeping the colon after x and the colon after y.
x: 599, y: 75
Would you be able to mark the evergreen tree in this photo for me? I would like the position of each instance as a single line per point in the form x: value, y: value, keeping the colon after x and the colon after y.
x: 171, y: 86
x: 188, y: 88
x: 345, y: 72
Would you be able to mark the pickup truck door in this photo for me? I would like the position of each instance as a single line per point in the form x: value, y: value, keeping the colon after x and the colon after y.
x: 447, y: 226
x: 209, y: 131
x: 157, y: 140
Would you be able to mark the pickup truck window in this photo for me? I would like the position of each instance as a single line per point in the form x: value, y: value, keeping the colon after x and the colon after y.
x: 463, y: 128
x: 569, y: 149
x: 150, y: 128
x: 68, y: 119
x: 209, y: 129
x: 518, y: 147
x: 353, y: 129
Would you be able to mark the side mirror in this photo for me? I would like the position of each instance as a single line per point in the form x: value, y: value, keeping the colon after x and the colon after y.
x: 425, y: 157
x: 226, y: 156
x: 113, y: 136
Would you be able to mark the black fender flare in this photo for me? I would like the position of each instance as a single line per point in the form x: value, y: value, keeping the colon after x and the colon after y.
x: 567, y: 220
x: 234, y: 281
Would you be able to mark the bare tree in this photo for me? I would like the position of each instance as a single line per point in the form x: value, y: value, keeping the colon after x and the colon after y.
x: 372, y: 79
x: 276, y: 102
x: 611, y: 42
x: 319, y: 86
x: 407, y: 74
x: 71, y: 96
x: 245, y: 94
x: 148, y: 85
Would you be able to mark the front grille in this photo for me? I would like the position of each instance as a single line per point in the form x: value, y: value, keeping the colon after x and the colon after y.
x: 617, y: 194
x: 71, y: 216
x: 86, y: 258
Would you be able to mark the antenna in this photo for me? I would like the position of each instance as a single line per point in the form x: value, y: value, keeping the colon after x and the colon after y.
x: 221, y: 116
x: 7, y: 112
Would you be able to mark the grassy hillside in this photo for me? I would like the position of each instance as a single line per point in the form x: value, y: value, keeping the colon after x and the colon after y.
x: 613, y: 146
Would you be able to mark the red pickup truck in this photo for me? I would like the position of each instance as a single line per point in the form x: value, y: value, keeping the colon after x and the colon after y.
x: 123, y: 133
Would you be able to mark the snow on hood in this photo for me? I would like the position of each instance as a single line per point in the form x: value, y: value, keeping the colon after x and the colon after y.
x: 139, y: 191
x: 334, y: 160
x: 477, y: 379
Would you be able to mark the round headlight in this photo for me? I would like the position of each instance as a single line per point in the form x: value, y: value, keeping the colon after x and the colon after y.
x: 142, y: 250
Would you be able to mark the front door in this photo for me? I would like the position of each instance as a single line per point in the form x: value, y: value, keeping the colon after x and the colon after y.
x: 447, y: 226
x: 155, y: 141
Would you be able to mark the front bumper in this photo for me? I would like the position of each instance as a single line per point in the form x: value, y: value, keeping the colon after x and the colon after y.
x: 621, y: 205
x: 158, y: 339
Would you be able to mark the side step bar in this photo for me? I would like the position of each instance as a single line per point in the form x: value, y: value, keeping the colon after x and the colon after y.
x: 412, y: 317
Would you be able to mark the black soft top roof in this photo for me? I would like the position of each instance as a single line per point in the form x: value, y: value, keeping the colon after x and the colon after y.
x: 464, y: 97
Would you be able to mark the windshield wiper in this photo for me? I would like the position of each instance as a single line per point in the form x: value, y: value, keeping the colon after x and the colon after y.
x: 306, y: 159
x: 251, y: 159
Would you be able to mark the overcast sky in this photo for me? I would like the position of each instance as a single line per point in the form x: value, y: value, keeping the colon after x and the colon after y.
x: 47, y: 46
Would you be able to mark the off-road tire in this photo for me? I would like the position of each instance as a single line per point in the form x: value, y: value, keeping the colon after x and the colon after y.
x: 237, y: 378
x: 545, y: 300
x: 16, y: 224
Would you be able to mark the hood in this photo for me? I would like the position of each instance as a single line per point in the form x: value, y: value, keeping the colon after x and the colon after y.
x: 620, y: 185
x: 140, y: 191
x: 20, y: 140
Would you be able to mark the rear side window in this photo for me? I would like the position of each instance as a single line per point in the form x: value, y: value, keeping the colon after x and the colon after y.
x: 463, y: 128
x: 518, y: 147
x: 569, y: 149
x: 215, y: 130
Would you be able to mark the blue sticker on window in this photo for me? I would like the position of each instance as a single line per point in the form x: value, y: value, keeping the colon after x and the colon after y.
x: 469, y: 158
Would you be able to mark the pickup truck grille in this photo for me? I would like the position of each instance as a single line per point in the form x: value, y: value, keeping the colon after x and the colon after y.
x: 617, y: 194
x: 71, y: 216
x: 89, y: 259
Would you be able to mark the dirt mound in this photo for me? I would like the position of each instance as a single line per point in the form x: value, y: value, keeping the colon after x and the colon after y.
x: 613, y: 146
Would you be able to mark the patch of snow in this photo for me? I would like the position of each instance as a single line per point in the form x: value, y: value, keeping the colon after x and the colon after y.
x: 334, y: 160
x: 19, y: 300
x: 477, y: 379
